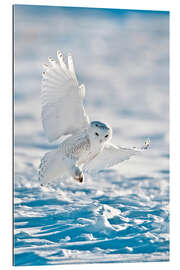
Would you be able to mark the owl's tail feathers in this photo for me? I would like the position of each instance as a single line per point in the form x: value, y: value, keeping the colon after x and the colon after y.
x: 52, y: 167
x: 45, y: 167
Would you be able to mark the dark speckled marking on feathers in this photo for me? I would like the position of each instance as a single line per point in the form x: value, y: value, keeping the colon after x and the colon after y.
x: 75, y: 149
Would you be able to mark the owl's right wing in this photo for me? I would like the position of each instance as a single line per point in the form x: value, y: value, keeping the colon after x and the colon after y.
x: 62, y: 99
x: 113, y: 155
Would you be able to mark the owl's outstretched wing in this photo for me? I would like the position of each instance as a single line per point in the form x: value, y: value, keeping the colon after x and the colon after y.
x: 62, y: 99
x: 113, y: 155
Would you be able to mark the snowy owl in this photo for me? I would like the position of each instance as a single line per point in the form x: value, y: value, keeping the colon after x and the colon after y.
x: 85, y: 145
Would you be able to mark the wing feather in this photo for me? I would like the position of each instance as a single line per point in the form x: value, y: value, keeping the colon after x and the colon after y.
x: 62, y: 99
x: 71, y: 67
x: 113, y: 155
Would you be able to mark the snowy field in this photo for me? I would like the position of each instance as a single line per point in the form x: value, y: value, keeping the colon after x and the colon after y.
x: 120, y: 214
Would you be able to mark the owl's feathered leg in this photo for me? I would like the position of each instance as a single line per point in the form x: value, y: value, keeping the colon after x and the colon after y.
x: 78, y: 175
x: 74, y: 170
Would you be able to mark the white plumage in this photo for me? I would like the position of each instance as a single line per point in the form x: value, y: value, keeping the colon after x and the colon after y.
x: 87, y: 146
x: 62, y: 100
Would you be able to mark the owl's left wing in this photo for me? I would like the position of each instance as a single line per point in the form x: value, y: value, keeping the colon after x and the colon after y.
x: 62, y: 97
x: 113, y: 155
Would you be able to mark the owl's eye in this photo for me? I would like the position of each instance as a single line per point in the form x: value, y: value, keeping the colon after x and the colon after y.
x: 97, y: 134
x: 106, y: 136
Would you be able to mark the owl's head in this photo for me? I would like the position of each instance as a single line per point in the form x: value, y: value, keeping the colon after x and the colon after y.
x: 100, y: 132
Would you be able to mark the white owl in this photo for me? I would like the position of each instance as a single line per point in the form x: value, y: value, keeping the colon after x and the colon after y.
x: 86, y: 145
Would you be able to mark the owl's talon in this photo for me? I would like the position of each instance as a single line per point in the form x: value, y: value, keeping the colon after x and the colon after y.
x: 79, y: 178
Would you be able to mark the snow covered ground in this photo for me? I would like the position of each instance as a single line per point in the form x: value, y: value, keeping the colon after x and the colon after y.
x: 120, y: 214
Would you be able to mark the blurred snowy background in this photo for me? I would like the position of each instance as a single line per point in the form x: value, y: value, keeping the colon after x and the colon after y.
x: 120, y: 214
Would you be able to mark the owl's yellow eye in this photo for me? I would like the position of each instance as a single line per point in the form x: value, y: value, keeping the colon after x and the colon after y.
x: 97, y: 134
